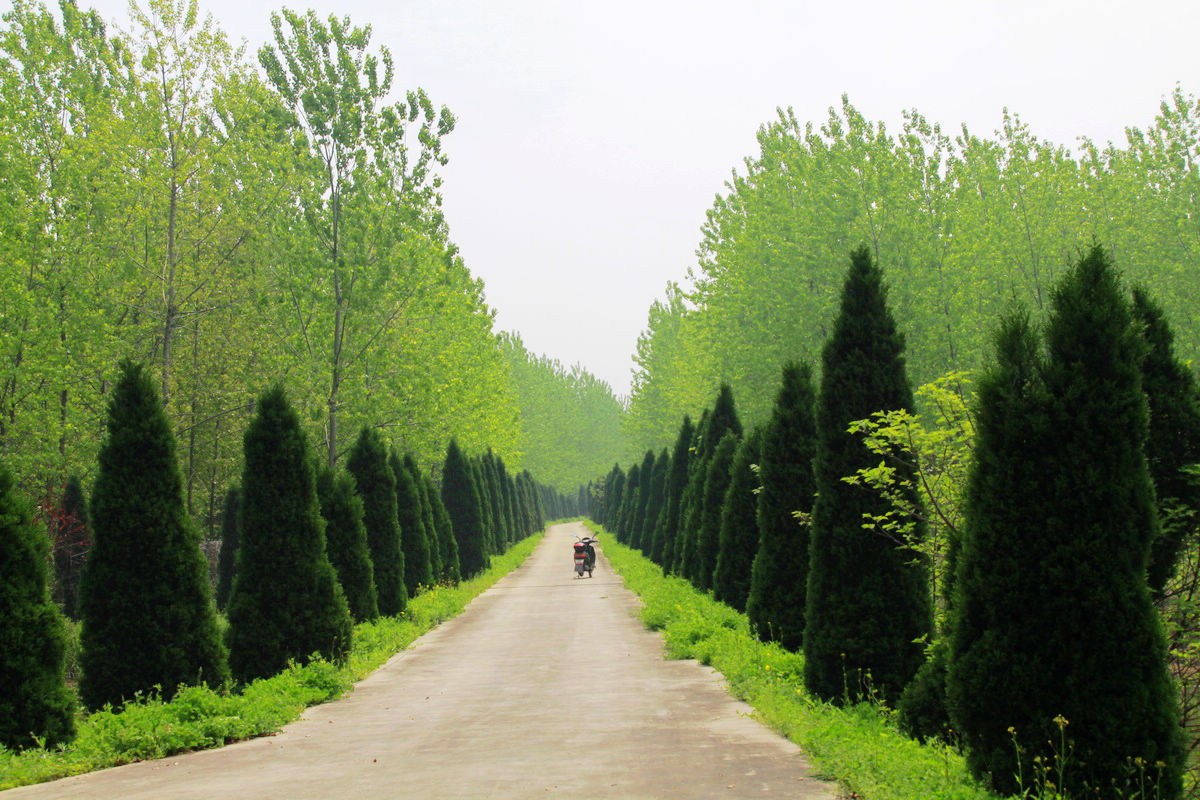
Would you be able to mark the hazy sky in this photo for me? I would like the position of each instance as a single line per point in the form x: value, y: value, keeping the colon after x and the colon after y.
x: 593, y: 136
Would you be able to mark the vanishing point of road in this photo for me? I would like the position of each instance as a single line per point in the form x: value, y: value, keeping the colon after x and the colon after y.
x: 547, y: 686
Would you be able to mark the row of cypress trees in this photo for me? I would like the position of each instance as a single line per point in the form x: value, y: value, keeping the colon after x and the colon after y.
x: 1051, y: 618
x: 307, y: 552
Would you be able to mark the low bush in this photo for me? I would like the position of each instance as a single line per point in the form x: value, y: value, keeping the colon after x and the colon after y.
x: 200, y: 717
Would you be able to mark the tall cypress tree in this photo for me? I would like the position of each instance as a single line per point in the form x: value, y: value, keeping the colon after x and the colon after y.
x: 230, y: 542
x: 689, y: 499
x: 71, y: 540
x: 504, y: 536
x: 431, y: 535
x: 868, y: 604
x: 638, y: 522
x: 655, y: 502
x: 147, y: 609
x: 668, y: 526
x: 35, y: 701
x: 1173, y: 438
x: 483, y: 494
x: 413, y: 539
x: 461, y: 498
x: 779, y: 577
x: 286, y: 602
x: 1053, y: 618
x: 629, y: 502
x: 714, y: 425
x: 738, y: 539
x: 447, y: 544
x: 716, y: 484
x: 368, y: 463
x: 613, y: 499
x: 346, y: 542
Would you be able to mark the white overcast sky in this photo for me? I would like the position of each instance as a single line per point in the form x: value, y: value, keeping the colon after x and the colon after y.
x: 593, y: 136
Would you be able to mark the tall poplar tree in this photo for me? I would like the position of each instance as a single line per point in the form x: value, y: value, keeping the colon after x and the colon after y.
x: 1056, y: 650
x: 779, y: 578
x: 868, y: 603
x: 368, y: 463
x: 148, y: 620
x: 35, y: 703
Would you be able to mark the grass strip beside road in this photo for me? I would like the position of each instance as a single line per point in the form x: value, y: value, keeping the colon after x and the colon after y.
x: 199, y: 717
x: 857, y: 746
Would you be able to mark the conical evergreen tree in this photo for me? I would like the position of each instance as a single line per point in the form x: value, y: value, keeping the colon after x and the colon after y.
x: 506, y: 490
x: 286, y: 602
x: 376, y: 485
x: 346, y: 542
x: 668, y: 527
x: 779, y: 578
x: 147, y: 609
x: 638, y: 521
x: 427, y: 523
x: 1055, y: 645
x: 629, y: 502
x: 71, y: 540
x: 504, y: 536
x: 690, y: 498
x: 461, y: 498
x: 483, y: 495
x: 231, y: 540
x: 720, y: 420
x: 1173, y: 439
x: 708, y: 537
x: 738, y: 539
x: 35, y: 701
x: 413, y: 540
x: 656, y: 501
x: 615, y: 496
x: 447, y: 544
x: 868, y: 605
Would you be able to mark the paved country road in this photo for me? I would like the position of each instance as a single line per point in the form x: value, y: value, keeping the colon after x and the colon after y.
x: 547, y: 686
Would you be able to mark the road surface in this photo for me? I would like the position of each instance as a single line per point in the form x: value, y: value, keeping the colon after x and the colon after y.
x: 546, y: 686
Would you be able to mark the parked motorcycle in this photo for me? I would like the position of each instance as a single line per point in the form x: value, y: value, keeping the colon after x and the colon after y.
x: 585, y: 556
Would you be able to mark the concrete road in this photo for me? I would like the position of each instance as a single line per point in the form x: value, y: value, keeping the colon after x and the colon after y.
x: 546, y: 686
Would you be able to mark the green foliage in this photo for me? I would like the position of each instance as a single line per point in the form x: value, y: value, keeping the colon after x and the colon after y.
x: 35, y: 705
x: 231, y: 540
x: 70, y: 540
x: 859, y: 746
x: 868, y: 605
x: 461, y: 499
x: 738, y: 539
x: 668, y: 523
x: 716, y: 486
x: 376, y: 485
x: 657, y: 498
x: 1057, y: 656
x: 447, y: 544
x: 779, y: 576
x: 199, y: 717
x: 418, y: 569
x: 427, y: 522
x: 286, y: 603
x: 713, y: 426
x: 147, y: 609
x: 346, y: 542
x: 1173, y: 437
x: 638, y: 518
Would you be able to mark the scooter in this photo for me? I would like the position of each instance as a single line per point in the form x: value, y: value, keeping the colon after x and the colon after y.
x: 585, y: 556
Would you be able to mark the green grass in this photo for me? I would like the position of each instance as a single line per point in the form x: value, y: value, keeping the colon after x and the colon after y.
x: 858, y: 746
x: 199, y: 717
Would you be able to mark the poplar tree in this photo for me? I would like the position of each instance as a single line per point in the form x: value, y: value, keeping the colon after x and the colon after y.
x: 461, y: 498
x: 368, y: 463
x: 286, y: 602
x: 346, y: 542
x: 35, y: 704
x: 148, y: 614
x: 230, y: 542
x: 716, y: 484
x: 779, y: 577
x: 418, y: 571
x: 868, y: 604
x: 1056, y: 652
x: 738, y: 538
x: 668, y: 525
x: 1173, y: 437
